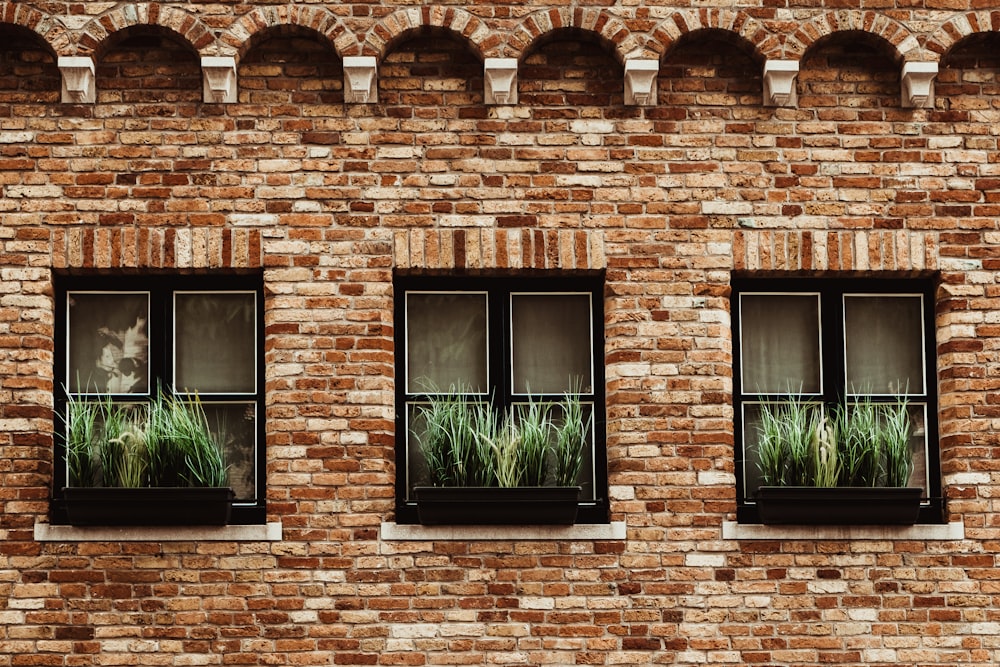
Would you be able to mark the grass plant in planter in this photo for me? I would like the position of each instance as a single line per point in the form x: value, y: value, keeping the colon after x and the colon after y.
x: 850, y: 466
x: 519, y: 467
x: 144, y: 464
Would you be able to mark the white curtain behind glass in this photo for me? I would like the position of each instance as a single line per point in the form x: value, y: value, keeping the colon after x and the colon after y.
x: 216, y: 347
x: 884, y: 340
x: 551, y: 343
x: 446, y: 342
x: 779, y: 343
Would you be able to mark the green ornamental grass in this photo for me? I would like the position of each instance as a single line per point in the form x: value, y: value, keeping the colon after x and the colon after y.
x: 465, y: 442
x: 571, y: 437
x: 861, y: 443
x: 83, y: 424
x: 785, y: 442
x: 167, y: 442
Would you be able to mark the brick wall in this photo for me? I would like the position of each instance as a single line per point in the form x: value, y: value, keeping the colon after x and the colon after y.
x: 326, y: 199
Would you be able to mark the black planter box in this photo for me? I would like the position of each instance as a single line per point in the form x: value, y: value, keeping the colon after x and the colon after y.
x: 844, y: 506
x: 156, y: 506
x: 529, y: 505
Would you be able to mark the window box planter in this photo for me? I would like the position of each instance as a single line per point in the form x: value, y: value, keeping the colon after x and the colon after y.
x: 149, y: 506
x: 472, y: 505
x: 806, y: 505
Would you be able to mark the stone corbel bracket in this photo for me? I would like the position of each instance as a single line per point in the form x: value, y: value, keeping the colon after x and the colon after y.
x: 917, y: 85
x: 500, y: 81
x: 360, y: 82
x: 640, y: 81
x: 78, y: 83
x: 779, y: 83
x: 218, y: 79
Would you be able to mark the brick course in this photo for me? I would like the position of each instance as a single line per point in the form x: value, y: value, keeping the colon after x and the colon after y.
x: 327, y: 199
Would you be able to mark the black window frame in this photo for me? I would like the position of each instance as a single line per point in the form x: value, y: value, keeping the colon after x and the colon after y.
x: 831, y: 292
x: 498, y: 290
x: 161, y: 288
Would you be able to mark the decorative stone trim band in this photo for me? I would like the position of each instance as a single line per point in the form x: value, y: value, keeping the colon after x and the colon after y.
x: 219, y: 76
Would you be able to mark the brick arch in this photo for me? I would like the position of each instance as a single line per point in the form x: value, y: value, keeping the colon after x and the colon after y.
x: 239, y: 37
x: 764, y: 44
x: 958, y: 28
x: 609, y: 29
x: 50, y: 32
x: 94, y: 36
x: 894, y: 33
x: 390, y: 29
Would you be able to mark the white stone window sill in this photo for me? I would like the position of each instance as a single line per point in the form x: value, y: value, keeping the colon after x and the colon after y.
x: 269, y: 532
x: 755, y: 531
x: 583, y: 531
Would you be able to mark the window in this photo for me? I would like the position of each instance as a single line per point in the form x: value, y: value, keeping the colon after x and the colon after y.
x: 830, y: 342
x: 507, y: 342
x: 126, y: 338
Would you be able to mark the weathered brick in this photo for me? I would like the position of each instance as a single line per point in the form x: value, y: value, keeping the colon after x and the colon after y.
x: 667, y: 200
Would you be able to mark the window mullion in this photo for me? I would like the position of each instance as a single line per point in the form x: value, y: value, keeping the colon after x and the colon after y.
x: 500, y: 363
x: 832, y: 340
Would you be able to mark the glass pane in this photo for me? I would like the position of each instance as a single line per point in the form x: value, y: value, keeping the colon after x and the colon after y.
x: 416, y: 465
x: 779, y: 343
x: 551, y: 343
x: 235, y: 426
x: 108, y: 343
x: 445, y: 341
x: 918, y: 445
x: 885, y: 344
x: 586, y: 477
x: 751, y: 460
x: 215, y: 342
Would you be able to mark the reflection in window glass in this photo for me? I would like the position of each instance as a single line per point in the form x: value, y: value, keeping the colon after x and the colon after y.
x: 884, y: 344
x: 751, y: 440
x: 445, y: 341
x: 780, y: 343
x: 233, y: 424
x: 215, y: 342
x: 919, y: 444
x: 551, y: 343
x: 108, y: 342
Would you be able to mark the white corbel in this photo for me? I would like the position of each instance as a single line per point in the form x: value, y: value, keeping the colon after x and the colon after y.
x: 640, y: 81
x: 218, y: 79
x: 360, y: 86
x: 500, y: 80
x: 78, y: 84
x: 917, y: 85
x: 779, y: 83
